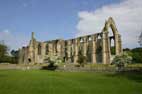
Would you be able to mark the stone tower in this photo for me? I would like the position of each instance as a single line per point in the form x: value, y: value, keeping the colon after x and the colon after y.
x: 31, y: 48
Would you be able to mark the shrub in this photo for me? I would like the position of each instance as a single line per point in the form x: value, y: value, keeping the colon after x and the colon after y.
x: 53, y: 61
x: 81, y: 59
x: 121, y: 60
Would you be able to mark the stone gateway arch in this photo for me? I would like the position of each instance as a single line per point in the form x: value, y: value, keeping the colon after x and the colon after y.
x: 95, y: 47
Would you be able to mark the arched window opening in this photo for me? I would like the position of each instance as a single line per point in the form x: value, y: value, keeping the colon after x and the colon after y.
x: 112, y: 46
x: 89, y: 38
x: 81, y: 40
x: 112, y: 41
x: 99, y: 36
x: 29, y: 60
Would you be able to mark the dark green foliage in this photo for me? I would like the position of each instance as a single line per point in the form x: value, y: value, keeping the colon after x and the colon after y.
x: 14, y: 57
x: 121, y: 60
x: 51, y: 65
x: 5, y: 57
x: 126, y: 49
x: 112, y: 50
x: 137, y: 55
x: 3, y: 50
x: 99, y: 54
x: 140, y: 39
x: 99, y: 49
x: 81, y: 58
x: 3, y: 54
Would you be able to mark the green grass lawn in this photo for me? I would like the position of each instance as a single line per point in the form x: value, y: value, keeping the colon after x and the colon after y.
x: 47, y: 82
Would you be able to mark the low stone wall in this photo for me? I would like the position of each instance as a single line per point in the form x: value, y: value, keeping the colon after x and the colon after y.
x: 72, y: 68
x: 19, y: 66
x: 97, y: 68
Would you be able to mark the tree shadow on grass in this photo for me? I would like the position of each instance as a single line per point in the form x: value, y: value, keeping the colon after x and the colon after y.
x: 2, y: 75
x: 130, y: 75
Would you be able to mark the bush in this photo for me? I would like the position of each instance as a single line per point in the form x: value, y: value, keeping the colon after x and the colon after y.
x: 121, y: 60
x: 51, y: 66
x: 53, y: 61
x: 81, y: 59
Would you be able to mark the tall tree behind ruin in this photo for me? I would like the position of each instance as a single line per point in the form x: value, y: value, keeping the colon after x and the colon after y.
x: 140, y: 39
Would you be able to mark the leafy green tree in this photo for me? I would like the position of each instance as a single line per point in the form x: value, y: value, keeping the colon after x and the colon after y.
x: 14, y: 57
x: 5, y: 57
x: 140, y: 39
x: 81, y: 58
x: 137, y: 55
x: 4, y: 53
x: 3, y: 50
x: 52, y: 63
x: 121, y: 60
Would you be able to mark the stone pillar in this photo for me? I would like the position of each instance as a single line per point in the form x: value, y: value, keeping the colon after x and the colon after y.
x: 105, y: 48
x: 31, y: 49
x: 76, y: 51
x: 116, y: 44
x: 30, y: 53
x: 36, y: 53
x: 72, y: 47
x: 26, y: 54
x: 32, y: 35
x: 54, y: 48
x: 94, y: 49
x: 62, y: 43
x: 69, y: 50
x: 43, y: 49
x: 20, y: 56
x: 59, y: 50
x: 50, y: 49
x: 85, y: 46
x: 120, y: 44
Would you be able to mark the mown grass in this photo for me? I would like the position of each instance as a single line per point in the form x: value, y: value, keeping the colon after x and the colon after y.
x: 47, y: 82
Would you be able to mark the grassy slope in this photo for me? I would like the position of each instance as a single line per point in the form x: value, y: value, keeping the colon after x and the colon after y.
x: 45, y: 82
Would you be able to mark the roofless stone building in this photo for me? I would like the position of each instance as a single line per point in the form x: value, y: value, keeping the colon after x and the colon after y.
x: 96, y: 47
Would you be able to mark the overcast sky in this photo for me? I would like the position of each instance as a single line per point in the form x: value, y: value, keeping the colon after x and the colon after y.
x: 52, y: 19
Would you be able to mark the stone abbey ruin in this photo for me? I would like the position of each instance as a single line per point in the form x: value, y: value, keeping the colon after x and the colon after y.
x: 95, y: 47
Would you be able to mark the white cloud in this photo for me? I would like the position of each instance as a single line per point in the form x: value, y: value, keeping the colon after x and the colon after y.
x: 6, y: 31
x: 13, y: 41
x: 127, y: 16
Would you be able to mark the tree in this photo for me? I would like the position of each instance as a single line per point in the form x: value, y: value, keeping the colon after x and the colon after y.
x: 14, y: 54
x: 3, y: 50
x: 81, y: 59
x: 121, y: 60
x: 137, y: 55
x: 140, y: 39
x: 5, y: 57
x: 126, y: 49
x: 52, y: 63
x: 4, y: 53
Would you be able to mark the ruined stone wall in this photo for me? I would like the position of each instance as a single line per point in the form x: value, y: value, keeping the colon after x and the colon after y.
x: 95, y: 47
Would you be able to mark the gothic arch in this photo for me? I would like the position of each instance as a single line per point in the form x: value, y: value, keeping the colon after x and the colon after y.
x: 110, y: 24
x: 117, y: 38
x: 106, y: 41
